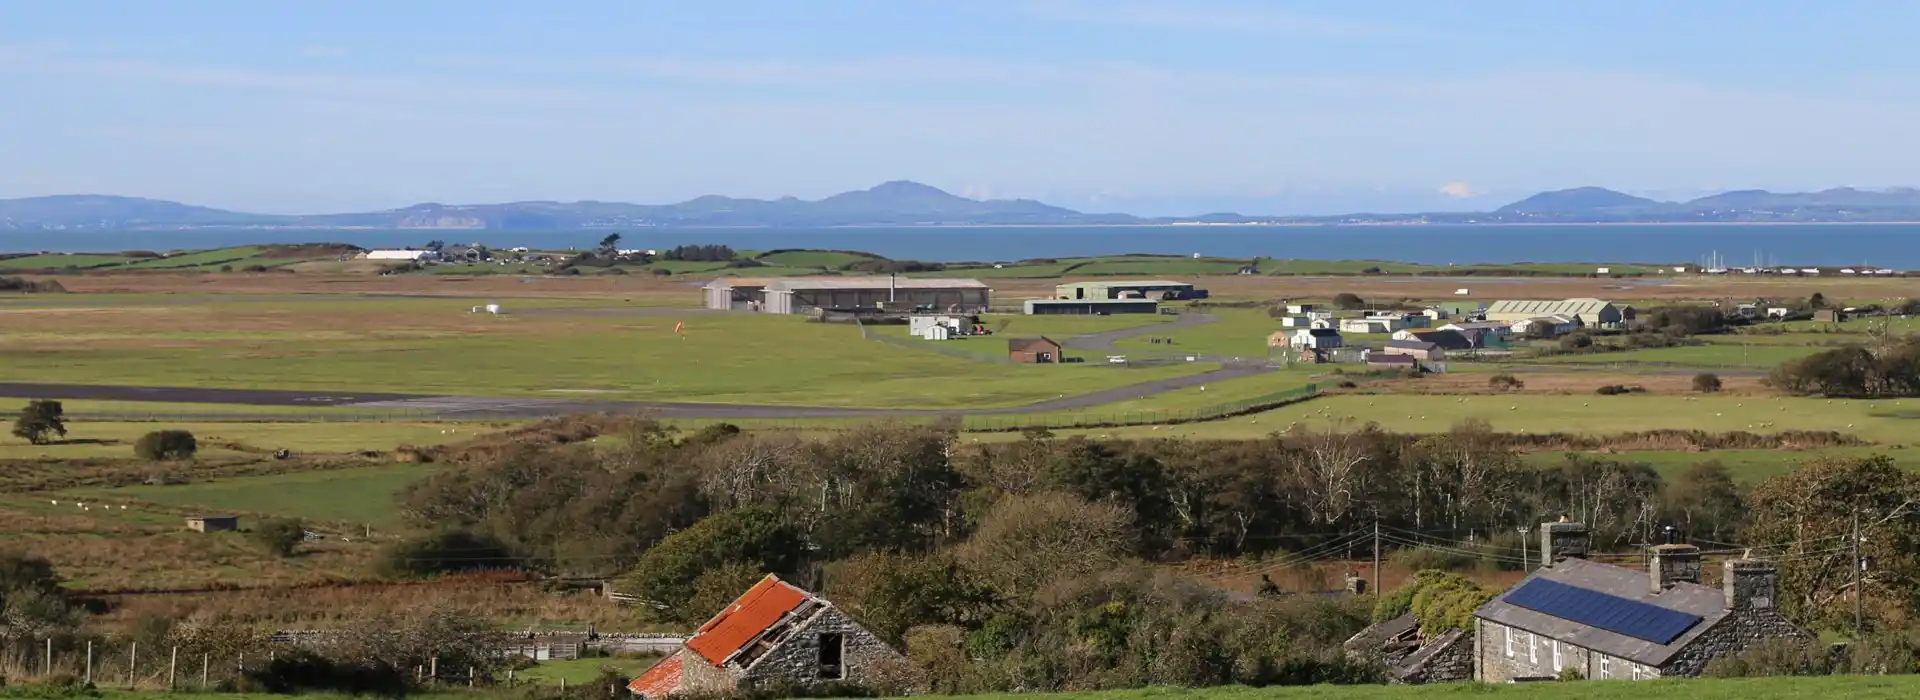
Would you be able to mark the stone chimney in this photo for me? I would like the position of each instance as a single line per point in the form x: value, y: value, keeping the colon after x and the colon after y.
x: 1562, y: 540
x: 1749, y: 583
x: 1672, y: 563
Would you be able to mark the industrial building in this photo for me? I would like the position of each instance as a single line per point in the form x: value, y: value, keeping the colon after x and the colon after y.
x: 1090, y: 307
x: 803, y: 295
x: 1162, y: 290
x: 1585, y: 312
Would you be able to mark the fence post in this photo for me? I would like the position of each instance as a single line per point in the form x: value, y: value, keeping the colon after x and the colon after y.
x: 470, y: 672
x: 173, y: 663
x: 206, y: 662
x: 133, y: 662
x: 89, y: 676
x: 48, y: 669
x: 433, y: 669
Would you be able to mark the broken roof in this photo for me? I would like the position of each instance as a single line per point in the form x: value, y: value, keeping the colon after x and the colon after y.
x: 751, y: 614
x: 659, y: 680
x: 1631, y: 587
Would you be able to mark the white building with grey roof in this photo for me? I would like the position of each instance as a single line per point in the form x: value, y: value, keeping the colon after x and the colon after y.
x: 801, y: 295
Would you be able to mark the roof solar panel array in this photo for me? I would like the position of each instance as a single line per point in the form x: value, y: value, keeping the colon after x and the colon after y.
x: 1611, y: 613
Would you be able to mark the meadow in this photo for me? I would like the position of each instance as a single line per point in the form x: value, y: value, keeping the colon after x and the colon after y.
x: 1883, y: 422
x: 88, y: 439
x: 358, y: 496
x: 545, y: 349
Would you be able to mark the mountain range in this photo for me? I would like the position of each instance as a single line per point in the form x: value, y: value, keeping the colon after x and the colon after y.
x: 902, y: 203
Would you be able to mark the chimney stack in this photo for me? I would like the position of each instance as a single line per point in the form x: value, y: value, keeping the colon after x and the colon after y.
x: 1562, y: 540
x: 1671, y: 564
x: 1749, y: 583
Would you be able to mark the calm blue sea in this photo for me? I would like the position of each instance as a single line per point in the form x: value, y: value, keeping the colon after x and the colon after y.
x: 1878, y: 245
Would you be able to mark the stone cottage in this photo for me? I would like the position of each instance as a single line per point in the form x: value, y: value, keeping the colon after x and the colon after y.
x: 775, y: 635
x: 1603, y: 621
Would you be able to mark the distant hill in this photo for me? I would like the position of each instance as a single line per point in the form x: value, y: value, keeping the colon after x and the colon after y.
x: 907, y: 203
x: 1579, y: 200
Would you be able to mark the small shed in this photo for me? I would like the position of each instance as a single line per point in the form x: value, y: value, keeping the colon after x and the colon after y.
x: 1417, y: 349
x: 1830, y: 316
x: 1381, y: 360
x: 1033, y: 350
x: 213, y: 523
x: 935, y: 333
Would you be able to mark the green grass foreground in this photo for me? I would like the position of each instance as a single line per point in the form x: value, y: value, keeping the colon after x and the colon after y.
x: 1835, y: 687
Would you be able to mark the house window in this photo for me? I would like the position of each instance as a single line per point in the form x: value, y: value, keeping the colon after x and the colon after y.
x: 1533, y: 649
x: 832, y: 648
x: 1636, y: 672
x: 1509, y: 641
x: 1606, y: 667
x: 1556, y: 656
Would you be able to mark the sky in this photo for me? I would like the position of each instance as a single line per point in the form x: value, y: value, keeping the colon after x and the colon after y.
x: 1144, y: 106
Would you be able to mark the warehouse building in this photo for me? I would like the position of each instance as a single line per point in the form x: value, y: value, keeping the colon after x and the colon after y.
x: 1129, y: 289
x: 1585, y: 312
x: 803, y: 295
x: 1090, y: 307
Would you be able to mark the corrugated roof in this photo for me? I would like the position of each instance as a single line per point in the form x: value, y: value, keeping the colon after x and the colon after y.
x: 1630, y: 585
x: 1413, y: 345
x: 799, y: 283
x: 1585, y: 307
x: 731, y: 282
x: 1129, y: 283
x: 749, y: 615
x: 1449, y: 339
x: 659, y: 680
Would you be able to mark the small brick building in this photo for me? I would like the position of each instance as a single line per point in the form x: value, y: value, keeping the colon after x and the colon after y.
x: 1033, y: 350
x: 775, y: 636
x: 213, y: 523
x: 1610, y: 622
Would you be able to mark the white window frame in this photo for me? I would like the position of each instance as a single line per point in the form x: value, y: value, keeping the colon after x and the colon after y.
x: 1606, y: 667
x: 1509, y: 642
x: 1556, y: 656
x: 1636, y: 672
x: 1533, y: 648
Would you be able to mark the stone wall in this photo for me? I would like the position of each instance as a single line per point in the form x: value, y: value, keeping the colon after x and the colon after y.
x: 1445, y: 659
x: 1730, y: 636
x: 795, y: 660
x: 1494, y: 666
x: 698, y: 676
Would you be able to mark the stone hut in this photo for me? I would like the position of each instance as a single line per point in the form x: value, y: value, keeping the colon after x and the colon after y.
x: 1602, y: 621
x: 774, y: 636
x: 1411, y: 658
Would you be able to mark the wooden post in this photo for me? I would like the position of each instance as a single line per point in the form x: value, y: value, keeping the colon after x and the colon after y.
x: 563, y: 685
x: 133, y: 662
x: 469, y: 676
x: 433, y: 668
x: 89, y: 662
x: 47, y: 670
x: 206, y: 662
x: 173, y: 664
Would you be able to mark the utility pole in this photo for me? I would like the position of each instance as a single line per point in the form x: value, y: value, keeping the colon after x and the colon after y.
x: 1376, y: 556
x: 1526, y: 559
x: 1858, y: 564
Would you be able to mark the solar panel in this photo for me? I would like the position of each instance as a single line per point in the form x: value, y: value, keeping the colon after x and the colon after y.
x: 1608, y: 612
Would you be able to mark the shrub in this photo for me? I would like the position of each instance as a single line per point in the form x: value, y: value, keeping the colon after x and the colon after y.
x: 226, y: 268
x: 1348, y: 300
x: 166, y: 445
x: 1575, y: 342
x: 41, y: 417
x: 1706, y: 382
x: 256, y: 268
x: 442, y: 552
x: 1618, y: 389
x: 1505, y: 382
x: 279, y: 535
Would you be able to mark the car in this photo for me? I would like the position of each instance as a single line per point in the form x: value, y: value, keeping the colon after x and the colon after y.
x: 1117, y: 359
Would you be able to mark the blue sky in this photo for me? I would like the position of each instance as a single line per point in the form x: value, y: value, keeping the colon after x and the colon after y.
x: 1152, y: 106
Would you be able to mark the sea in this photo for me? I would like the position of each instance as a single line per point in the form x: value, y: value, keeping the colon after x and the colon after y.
x: 1723, y: 245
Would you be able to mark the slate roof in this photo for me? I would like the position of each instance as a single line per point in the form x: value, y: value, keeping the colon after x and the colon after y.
x: 795, y: 283
x: 752, y: 613
x: 1381, y: 358
x: 1413, y: 345
x: 1631, y: 584
x: 1040, y: 344
x: 1448, y: 339
x: 1377, y: 635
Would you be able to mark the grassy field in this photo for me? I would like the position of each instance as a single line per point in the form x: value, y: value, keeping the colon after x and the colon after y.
x: 1709, y: 355
x: 93, y: 440
x: 822, y: 259
x: 357, y: 495
x: 59, y: 261
x: 578, y: 671
x: 1747, y: 466
x: 1237, y: 333
x: 436, y: 346
x: 1881, y: 422
x: 161, y: 410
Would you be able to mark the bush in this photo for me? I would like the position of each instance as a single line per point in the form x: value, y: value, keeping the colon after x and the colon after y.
x: 442, y: 552
x: 255, y: 268
x: 166, y: 445
x: 1618, y: 389
x: 1505, y: 382
x: 1348, y: 300
x: 279, y: 535
x: 1706, y: 383
x: 1576, y: 342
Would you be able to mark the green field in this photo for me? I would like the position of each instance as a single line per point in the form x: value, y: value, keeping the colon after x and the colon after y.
x: 362, y: 495
x: 59, y: 261
x: 1747, y: 466
x: 1882, y: 422
x: 1709, y: 355
x: 437, y: 347
x: 818, y: 259
x: 1237, y: 333
x: 579, y: 671
x: 1190, y: 403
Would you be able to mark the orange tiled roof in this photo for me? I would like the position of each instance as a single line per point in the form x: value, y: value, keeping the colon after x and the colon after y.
x: 659, y: 680
x: 747, y: 617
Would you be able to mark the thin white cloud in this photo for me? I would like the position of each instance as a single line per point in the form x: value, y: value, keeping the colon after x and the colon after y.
x: 1207, y: 16
x: 1458, y: 190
